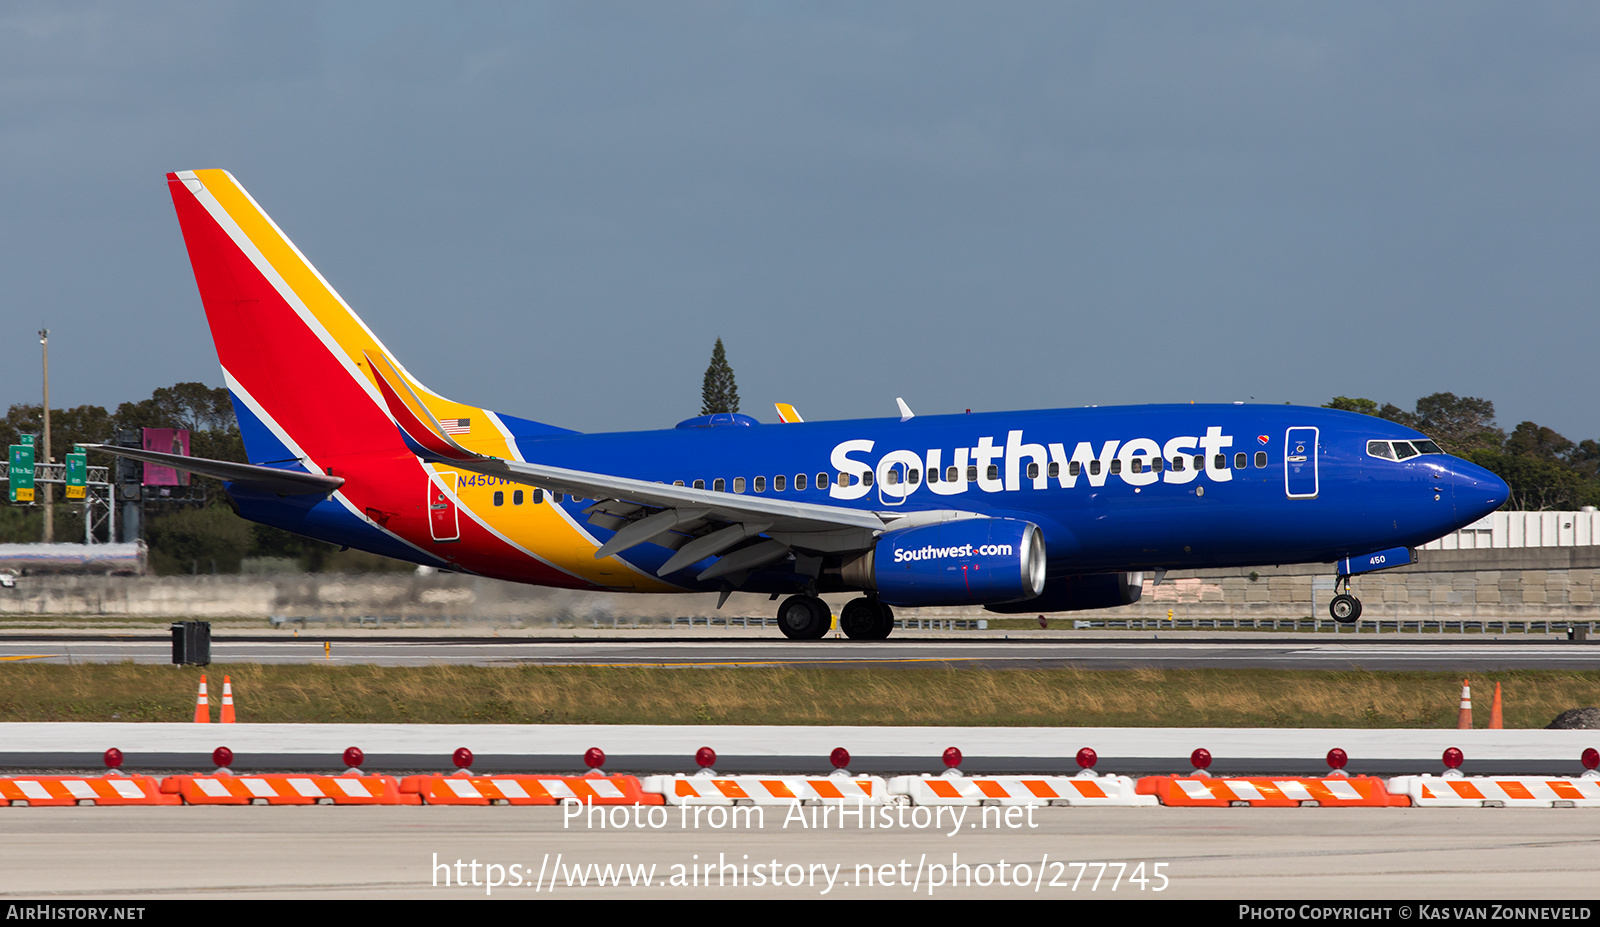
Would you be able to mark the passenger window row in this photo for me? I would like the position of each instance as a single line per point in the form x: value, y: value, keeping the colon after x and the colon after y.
x: 953, y: 474
x: 781, y: 482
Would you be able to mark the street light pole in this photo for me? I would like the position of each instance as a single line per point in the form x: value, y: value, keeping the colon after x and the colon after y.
x: 49, y: 489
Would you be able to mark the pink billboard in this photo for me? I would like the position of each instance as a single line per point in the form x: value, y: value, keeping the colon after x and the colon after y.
x: 167, y: 441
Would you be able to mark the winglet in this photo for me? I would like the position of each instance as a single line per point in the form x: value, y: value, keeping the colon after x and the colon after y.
x: 905, y: 411
x: 787, y: 414
x: 421, y: 431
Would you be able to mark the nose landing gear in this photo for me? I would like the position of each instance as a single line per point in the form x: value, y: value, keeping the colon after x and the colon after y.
x: 1345, y: 608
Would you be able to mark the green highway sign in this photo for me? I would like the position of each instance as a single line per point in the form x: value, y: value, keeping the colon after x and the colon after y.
x: 77, y: 474
x: 22, y: 470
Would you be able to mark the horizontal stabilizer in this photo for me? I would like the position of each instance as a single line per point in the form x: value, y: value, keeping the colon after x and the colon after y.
x: 249, y: 476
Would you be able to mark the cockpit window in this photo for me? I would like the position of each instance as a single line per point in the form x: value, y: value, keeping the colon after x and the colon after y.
x: 1403, y: 449
x: 1427, y: 447
x: 1380, y: 449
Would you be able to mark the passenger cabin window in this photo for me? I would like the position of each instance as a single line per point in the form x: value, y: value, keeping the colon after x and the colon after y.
x: 892, y: 478
x: 952, y: 474
x: 538, y: 495
x: 799, y: 481
x: 1220, y: 462
x: 994, y: 471
x: 699, y: 484
x: 1261, y: 459
x: 1157, y: 463
x: 677, y: 482
x: 780, y: 483
x: 1136, y: 465
x: 1094, y: 468
x: 1116, y: 467
x: 719, y: 485
x: 1054, y: 471
x: 1075, y: 468
x: 738, y: 484
x: 933, y: 475
x: 1177, y: 464
x: 761, y: 483
x: 1241, y: 460
x: 1199, y: 461
x: 914, y: 475
x: 499, y: 497
x: 516, y: 497
x: 972, y: 474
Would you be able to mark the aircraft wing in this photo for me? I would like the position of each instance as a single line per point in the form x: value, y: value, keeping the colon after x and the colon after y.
x: 749, y: 532
x: 253, y: 476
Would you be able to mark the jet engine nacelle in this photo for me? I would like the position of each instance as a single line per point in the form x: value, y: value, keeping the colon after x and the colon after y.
x: 973, y: 561
x: 1080, y: 593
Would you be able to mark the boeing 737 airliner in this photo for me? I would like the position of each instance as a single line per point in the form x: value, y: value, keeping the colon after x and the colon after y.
x: 1040, y: 511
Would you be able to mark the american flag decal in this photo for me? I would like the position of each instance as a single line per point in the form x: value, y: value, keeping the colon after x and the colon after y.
x: 456, y: 426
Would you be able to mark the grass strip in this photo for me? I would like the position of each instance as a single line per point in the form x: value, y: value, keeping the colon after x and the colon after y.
x: 783, y: 695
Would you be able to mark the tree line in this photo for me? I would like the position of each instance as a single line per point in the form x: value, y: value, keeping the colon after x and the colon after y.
x: 182, y: 538
x: 1545, y: 470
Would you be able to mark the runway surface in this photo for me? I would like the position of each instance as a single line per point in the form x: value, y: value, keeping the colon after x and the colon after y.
x: 1354, y: 854
x: 1292, y: 652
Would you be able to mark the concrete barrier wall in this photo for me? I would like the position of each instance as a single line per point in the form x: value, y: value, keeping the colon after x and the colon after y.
x: 1527, y: 584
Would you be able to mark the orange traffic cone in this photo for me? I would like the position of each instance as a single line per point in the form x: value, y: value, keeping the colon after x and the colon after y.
x: 227, y: 700
x: 1495, y: 721
x: 1464, y: 719
x: 202, y: 708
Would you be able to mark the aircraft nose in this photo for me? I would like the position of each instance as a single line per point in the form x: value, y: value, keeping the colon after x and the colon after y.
x: 1478, y: 492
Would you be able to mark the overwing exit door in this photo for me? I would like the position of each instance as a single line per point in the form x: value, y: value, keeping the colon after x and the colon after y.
x: 1300, y: 463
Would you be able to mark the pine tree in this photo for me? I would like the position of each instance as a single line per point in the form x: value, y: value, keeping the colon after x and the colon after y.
x: 718, y: 393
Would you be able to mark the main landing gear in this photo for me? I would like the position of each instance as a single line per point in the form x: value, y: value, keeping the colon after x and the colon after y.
x: 807, y: 618
x: 866, y: 619
x: 804, y: 618
x: 1345, y: 608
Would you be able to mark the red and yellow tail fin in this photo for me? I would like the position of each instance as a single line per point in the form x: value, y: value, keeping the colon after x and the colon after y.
x: 295, y: 356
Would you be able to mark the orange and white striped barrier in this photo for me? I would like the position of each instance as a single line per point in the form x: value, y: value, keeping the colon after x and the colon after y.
x: 527, y: 790
x: 768, y: 790
x: 83, y: 790
x: 1019, y: 790
x: 1272, y: 792
x: 1498, y: 791
x: 286, y: 790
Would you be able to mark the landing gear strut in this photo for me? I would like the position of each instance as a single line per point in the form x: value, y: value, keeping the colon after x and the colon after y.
x: 804, y: 618
x: 1345, y: 608
x: 866, y: 619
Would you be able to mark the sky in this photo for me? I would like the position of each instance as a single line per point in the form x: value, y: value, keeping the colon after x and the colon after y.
x: 554, y: 209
